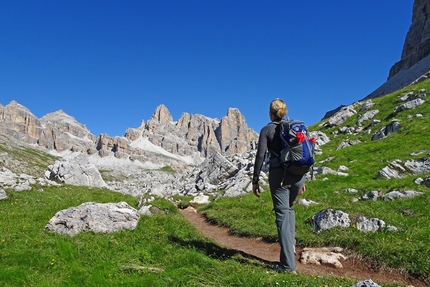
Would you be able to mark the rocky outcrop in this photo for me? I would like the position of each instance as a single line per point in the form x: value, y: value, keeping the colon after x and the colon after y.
x: 417, y: 42
x: 16, y: 121
x: 414, y: 64
x: 330, y: 218
x: 400, y: 169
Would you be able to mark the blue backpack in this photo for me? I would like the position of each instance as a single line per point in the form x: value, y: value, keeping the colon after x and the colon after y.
x: 298, y: 148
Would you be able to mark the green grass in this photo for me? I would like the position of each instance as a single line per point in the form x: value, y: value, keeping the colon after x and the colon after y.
x: 406, y: 249
x: 156, y: 253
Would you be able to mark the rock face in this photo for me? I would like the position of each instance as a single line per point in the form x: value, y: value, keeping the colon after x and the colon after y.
x: 17, y: 122
x: 414, y: 64
x: 417, y: 43
x: 159, y: 140
x: 62, y: 132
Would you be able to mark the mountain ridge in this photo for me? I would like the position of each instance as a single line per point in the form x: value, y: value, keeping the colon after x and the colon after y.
x: 192, y: 136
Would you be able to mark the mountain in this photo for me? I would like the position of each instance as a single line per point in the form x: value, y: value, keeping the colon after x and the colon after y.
x: 160, y: 139
x: 414, y: 65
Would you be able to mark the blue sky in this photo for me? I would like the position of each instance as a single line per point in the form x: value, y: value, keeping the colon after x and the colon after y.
x: 109, y: 64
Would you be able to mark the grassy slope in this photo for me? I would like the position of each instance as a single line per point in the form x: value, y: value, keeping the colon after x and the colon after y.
x: 408, y: 248
x: 164, y: 250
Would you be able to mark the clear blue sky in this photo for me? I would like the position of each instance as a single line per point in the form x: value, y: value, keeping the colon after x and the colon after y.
x: 109, y: 64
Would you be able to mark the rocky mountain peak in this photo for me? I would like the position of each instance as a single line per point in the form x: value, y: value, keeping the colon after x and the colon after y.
x: 18, y: 122
x: 233, y: 133
x: 162, y: 114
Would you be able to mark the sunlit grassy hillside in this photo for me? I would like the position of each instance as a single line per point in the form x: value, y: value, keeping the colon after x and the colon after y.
x: 408, y: 248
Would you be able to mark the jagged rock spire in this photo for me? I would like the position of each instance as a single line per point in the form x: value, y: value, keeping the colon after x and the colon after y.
x: 162, y: 114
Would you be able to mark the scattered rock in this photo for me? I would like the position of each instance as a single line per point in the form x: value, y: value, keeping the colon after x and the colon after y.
x: 372, y: 195
x: 201, y: 199
x: 323, y: 256
x: 366, y: 283
x: 401, y: 194
x: 341, y: 116
x: 306, y: 202
x: 3, y: 194
x: 425, y: 181
x: 367, y: 116
x: 145, y: 210
x: 409, y: 105
x: 394, y: 126
x: 351, y: 190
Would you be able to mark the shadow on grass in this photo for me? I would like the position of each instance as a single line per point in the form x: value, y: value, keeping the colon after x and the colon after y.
x: 215, y: 251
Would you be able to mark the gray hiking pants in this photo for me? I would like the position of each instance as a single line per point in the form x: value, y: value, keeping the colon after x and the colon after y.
x: 285, y: 188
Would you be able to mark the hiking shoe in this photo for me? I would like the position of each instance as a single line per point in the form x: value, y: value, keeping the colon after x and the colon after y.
x: 278, y: 268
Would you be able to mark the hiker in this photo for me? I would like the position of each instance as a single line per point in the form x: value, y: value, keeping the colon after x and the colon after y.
x: 284, y: 186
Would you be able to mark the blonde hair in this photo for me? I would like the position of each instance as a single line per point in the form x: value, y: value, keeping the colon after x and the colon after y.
x: 278, y: 108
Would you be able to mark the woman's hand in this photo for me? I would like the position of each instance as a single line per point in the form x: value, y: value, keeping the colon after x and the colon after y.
x: 256, y: 189
x: 303, y: 189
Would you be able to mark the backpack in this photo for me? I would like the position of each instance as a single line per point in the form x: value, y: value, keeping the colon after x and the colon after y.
x: 297, y: 153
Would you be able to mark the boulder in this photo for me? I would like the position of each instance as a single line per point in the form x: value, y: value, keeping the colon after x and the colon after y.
x: 75, y: 170
x: 216, y: 169
x: 369, y: 224
x: 330, y: 218
x: 94, y: 217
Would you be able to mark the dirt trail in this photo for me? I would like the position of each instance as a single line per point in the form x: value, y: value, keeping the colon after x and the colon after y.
x: 269, y: 252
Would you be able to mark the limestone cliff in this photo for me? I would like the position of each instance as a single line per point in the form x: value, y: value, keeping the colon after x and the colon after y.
x: 16, y: 121
x: 417, y: 43
x: 414, y: 65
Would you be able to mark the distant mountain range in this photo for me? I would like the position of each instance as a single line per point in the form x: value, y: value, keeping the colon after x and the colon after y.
x: 160, y: 139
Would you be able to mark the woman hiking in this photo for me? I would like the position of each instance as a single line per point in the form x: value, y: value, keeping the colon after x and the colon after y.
x: 284, y: 186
